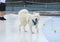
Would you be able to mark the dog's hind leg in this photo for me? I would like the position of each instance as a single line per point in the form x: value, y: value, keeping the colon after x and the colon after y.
x: 24, y: 28
x: 19, y: 27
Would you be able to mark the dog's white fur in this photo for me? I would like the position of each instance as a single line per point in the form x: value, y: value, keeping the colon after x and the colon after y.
x: 25, y: 17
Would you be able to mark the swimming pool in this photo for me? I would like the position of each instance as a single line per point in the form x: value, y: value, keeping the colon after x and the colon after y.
x: 50, y: 6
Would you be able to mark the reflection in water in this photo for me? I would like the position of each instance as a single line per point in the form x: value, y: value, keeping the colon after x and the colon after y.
x: 25, y: 37
x: 2, y: 26
x: 2, y: 31
x: 28, y: 37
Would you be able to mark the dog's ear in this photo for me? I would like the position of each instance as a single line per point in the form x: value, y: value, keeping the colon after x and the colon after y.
x: 36, y: 13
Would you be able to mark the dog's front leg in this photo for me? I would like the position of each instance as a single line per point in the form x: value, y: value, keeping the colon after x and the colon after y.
x: 36, y: 27
x: 31, y: 29
x: 19, y: 27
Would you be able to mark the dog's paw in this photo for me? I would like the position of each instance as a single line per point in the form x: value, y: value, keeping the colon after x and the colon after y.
x: 32, y: 32
x: 37, y: 31
x: 25, y: 31
x: 19, y: 29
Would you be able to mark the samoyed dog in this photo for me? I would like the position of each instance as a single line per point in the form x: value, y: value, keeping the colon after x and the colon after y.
x: 26, y: 18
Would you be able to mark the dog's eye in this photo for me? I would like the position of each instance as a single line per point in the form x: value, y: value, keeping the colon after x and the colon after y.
x: 36, y: 16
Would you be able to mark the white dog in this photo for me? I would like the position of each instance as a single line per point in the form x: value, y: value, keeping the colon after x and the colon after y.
x: 25, y: 17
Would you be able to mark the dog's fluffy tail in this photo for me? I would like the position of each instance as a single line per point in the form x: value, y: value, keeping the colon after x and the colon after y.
x: 23, y: 11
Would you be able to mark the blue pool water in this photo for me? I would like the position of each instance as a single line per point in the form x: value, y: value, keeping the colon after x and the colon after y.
x: 34, y: 7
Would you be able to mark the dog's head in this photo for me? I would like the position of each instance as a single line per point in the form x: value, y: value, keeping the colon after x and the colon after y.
x: 35, y: 18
